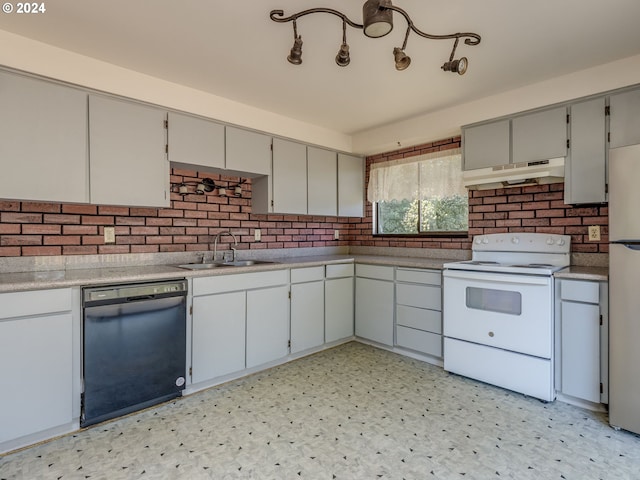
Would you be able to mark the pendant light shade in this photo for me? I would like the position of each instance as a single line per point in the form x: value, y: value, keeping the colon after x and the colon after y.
x: 295, y: 56
x: 377, y: 20
x: 342, y: 58
x: 401, y: 58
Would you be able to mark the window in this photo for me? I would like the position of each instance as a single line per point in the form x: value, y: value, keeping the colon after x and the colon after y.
x: 419, y: 195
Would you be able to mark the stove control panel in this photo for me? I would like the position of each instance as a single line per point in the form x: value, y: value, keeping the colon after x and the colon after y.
x: 522, y: 242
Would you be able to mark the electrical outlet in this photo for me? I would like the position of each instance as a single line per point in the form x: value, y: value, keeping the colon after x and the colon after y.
x: 257, y: 234
x: 594, y: 233
x: 336, y: 234
x: 109, y: 235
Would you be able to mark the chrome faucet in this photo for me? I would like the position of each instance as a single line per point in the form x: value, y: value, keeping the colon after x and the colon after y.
x: 233, y: 249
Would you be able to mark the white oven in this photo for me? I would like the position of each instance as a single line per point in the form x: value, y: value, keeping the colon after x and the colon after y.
x: 498, y: 312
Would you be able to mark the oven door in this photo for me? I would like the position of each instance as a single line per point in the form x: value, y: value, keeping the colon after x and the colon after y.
x: 508, y: 311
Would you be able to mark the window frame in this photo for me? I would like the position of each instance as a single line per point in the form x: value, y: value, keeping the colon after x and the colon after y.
x: 419, y: 234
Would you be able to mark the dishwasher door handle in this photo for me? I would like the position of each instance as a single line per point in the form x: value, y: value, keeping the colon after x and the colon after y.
x: 139, y: 298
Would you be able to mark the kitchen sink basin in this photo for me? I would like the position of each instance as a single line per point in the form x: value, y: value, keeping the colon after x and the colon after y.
x: 212, y: 265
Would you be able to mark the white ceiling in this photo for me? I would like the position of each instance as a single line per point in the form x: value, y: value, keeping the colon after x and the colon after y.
x: 232, y: 49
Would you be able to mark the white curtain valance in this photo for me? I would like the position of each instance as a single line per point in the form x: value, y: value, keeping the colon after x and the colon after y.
x: 437, y: 174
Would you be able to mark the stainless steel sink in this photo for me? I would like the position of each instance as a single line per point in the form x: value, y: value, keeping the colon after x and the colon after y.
x: 212, y: 265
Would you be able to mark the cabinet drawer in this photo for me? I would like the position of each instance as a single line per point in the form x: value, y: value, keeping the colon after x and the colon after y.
x: 37, y: 302
x: 425, y: 342
x: 430, y: 277
x: 240, y: 281
x: 423, y: 296
x: 340, y: 270
x: 580, y: 291
x: 374, y: 271
x: 308, y: 274
x: 420, y: 318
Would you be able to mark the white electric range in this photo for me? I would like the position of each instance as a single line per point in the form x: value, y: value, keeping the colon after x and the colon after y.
x: 498, y: 311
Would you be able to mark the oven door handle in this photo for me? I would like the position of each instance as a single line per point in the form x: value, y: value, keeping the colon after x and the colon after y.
x: 492, y: 277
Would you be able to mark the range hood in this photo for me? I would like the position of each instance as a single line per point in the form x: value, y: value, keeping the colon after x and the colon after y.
x: 515, y: 175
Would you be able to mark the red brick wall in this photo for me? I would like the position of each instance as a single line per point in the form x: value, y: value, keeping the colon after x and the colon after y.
x: 520, y: 209
x: 37, y: 228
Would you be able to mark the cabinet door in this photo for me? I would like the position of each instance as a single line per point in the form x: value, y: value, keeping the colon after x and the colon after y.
x: 581, y: 350
x: 585, y: 172
x: 267, y: 325
x: 128, y: 160
x: 486, y: 145
x: 36, y: 368
x: 195, y: 141
x: 338, y: 309
x: 322, y: 182
x: 539, y: 136
x: 248, y: 151
x: 289, y: 177
x: 374, y: 310
x: 350, y: 186
x: 307, y: 315
x: 218, y: 335
x: 43, y: 141
x: 625, y: 119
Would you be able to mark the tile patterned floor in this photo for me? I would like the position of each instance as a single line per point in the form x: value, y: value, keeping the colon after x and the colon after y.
x: 352, y: 412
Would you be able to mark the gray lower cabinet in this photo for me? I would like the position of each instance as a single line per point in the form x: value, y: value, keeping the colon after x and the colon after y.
x: 625, y: 118
x: 419, y: 310
x: 584, y: 340
x: 307, y: 308
x: 374, y: 303
x: 218, y: 335
x: 338, y: 302
x: 267, y: 325
x: 127, y: 145
x: 36, y: 364
x: 585, y: 166
x: 43, y: 140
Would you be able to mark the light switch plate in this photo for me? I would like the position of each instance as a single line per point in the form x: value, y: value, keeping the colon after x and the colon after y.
x: 594, y: 233
x: 336, y: 234
x: 257, y: 234
x: 109, y: 235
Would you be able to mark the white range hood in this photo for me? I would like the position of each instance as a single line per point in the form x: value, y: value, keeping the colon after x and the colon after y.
x: 515, y: 175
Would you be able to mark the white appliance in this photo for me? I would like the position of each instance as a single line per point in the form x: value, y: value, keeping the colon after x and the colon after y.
x: 498, y: 311
x: 624, y: 277
x: 515, y: 175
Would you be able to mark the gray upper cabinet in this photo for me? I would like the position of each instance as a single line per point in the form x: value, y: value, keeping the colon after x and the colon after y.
x: 585, y: 167
x: 625, y: 119
x: 248, y: 151
x: 350, y: 186
x: 289, y: 177
x: 128, y: 160
x: 486, y: 145
x: 43, y: 140
x: 322, y: 182
x: 195, y: 141
x: 539, y: 136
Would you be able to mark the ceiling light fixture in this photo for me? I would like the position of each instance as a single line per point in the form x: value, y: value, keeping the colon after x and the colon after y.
x: 377, y: 21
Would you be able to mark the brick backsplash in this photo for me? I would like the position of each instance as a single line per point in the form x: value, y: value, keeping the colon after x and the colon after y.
x: 189, y: 224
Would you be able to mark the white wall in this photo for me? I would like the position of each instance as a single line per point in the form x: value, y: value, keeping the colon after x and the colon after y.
x: 446, y: 123
x: 39, y: 58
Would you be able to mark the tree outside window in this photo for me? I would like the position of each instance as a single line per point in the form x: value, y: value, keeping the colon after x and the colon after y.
x: 419, y: 195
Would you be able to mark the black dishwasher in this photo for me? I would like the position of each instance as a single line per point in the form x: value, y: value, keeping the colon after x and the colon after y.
x: 134, y: 347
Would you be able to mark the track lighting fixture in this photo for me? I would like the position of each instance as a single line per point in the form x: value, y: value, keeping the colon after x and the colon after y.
x: 377, y: 21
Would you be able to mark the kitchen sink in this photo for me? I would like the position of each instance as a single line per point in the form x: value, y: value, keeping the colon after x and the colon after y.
x: 212, y: 265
